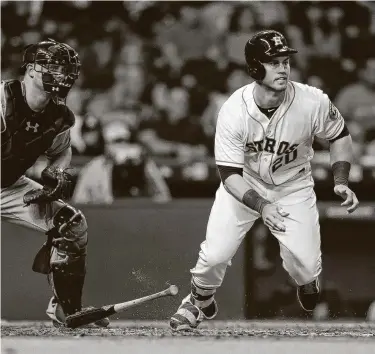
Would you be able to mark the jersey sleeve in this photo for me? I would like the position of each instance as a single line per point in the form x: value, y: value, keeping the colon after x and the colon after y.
x: 329, y: 122
x: 229, y: 142
x: 60, y: 143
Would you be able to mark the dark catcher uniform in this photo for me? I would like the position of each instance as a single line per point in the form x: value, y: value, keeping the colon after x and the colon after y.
x: 25, y: 136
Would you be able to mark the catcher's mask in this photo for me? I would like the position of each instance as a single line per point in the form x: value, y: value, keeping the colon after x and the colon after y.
x: 59, y: 65
x: 261, y: 48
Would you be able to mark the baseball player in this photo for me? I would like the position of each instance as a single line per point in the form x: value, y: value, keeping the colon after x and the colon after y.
x: 263, y: 149
x: 36, y: 121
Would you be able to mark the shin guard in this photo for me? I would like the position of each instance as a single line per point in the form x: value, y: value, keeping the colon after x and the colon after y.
x: 67, y: 283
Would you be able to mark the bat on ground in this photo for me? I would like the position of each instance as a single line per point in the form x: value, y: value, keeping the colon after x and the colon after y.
x: 94, y: 314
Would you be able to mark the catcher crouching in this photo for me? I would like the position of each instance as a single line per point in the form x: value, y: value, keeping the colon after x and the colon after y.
x: 35, y: 121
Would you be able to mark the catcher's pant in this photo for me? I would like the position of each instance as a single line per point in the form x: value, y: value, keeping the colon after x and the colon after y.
x: 230, y: 220
x: 37, y: 217
x: 34, y: 216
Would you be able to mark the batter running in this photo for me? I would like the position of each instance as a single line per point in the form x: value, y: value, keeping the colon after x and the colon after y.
x: 263, y: 149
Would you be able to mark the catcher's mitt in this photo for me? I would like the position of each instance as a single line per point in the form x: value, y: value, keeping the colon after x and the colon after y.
x: 56, y: 185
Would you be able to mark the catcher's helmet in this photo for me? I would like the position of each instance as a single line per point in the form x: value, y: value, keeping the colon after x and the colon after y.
x: 261, y: 48
x: 59, y: 64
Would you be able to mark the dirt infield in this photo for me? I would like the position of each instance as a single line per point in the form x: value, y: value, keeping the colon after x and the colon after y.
x: 213, y: 337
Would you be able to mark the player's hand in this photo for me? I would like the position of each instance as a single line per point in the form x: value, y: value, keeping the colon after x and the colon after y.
x: 273, y: 217
x: 56, y: 185
x: 350, y: 198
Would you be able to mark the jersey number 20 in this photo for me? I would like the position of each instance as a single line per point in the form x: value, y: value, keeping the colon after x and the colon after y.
x: 284, y: 160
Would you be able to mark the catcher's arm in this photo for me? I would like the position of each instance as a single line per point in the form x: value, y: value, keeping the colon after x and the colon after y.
x: 60, y: 153
x: 61, y: 160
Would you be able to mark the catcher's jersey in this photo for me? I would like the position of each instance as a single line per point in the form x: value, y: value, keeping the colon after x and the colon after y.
x: 274, y: 150
x: 26, y: 135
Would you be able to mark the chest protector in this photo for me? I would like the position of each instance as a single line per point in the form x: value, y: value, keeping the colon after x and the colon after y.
x: 25, y: 134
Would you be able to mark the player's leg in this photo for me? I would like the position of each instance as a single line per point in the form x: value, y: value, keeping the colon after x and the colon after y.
x: 300, y: 247
x: 227, y: 226
x: 63, y: 255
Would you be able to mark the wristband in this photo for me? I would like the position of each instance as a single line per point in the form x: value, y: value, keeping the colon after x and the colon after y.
x: 254, y: 201
x: 341, y: 170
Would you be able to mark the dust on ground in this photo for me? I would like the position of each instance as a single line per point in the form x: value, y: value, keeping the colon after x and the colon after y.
x: 213, y: 329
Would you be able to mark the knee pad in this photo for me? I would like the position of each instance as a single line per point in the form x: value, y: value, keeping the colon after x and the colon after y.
x: 69, y: 239
x: 70, y: 224
x: 66, y: 242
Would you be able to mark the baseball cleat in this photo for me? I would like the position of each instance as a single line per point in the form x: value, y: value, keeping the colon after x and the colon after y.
x: 308, y: 295
x: 103, y: 323
x: 188, y: 316
x: 210, y: 311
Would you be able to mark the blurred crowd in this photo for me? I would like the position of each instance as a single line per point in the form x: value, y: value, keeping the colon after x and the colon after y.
x: 161, y: 70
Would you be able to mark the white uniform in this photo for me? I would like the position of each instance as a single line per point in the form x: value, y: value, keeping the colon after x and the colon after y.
x: 275, y: 156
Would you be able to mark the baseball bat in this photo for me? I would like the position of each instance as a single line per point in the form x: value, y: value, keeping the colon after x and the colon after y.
x: 94, y: 314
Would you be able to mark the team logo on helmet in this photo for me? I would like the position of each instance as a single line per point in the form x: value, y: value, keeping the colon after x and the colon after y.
x: 277, y: 40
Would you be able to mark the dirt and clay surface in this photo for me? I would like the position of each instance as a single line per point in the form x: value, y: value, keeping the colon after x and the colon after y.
x: 225, y: 329
x: 212, y: 337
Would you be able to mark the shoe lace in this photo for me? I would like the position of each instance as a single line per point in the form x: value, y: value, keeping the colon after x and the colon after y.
x: 311, y: 288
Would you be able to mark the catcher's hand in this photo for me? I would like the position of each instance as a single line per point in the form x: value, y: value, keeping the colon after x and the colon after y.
x: 56, y: 185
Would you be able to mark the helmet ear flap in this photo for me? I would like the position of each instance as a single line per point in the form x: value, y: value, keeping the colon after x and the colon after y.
x: 254, y: 66
x: 256, y: 70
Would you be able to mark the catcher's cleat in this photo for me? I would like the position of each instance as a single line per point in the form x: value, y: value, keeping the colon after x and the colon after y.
x: 308, y: 295
x: 101, y: 323
x: 55, y: 312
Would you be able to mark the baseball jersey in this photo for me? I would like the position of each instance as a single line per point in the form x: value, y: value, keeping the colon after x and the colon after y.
x: 26, y: 135
x: 274, y: 150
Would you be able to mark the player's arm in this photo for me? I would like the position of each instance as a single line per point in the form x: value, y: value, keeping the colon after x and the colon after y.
x: 55, y: 180
x: 333, y: 127
x: 229, y: 155
x: 341, y: 155
x: 60, y: 153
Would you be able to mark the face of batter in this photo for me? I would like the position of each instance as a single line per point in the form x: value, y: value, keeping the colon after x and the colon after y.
x: 277, y: 74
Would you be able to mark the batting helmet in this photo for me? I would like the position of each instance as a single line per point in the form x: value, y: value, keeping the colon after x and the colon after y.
x: 59, y: 65
x: 261, y: 48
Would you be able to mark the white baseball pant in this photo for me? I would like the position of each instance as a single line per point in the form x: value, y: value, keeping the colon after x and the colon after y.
x: 230, y: 220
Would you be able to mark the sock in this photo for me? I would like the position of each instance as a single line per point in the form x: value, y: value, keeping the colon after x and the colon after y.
x: 201, y: 298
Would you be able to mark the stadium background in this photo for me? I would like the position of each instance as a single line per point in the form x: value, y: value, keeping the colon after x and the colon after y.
x: 157, y: 65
